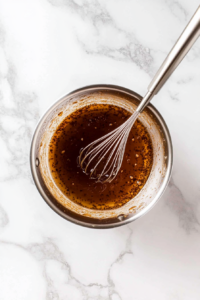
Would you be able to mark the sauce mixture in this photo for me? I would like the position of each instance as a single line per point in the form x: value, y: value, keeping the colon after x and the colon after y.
x: 77, y: 131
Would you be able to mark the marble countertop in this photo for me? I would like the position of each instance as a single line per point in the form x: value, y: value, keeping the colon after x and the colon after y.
x: 47, y: 49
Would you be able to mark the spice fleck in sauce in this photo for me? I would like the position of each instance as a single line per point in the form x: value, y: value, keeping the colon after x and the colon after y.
x: 77, y: 131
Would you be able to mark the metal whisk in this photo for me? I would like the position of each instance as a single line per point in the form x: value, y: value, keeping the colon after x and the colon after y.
x: 102, y: 159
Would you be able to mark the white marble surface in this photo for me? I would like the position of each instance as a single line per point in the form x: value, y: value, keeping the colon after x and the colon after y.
x: 48, y: 48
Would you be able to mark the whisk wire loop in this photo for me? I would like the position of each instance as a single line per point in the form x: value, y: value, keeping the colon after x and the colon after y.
x: 111, y: 148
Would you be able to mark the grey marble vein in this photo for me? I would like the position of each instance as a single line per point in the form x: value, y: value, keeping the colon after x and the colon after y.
x: 3, y: 218
x: 174, y: 96
x: 21, y: 113
x: 49, y: 251
x: 89, y: 9
x: 177, y: 9
x: 180, y: 207
x: 130, y: 51
x: 119, y: 259
x: 185, y: 80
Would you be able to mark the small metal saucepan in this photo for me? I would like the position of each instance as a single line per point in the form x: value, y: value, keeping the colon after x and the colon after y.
x: 158, y: 179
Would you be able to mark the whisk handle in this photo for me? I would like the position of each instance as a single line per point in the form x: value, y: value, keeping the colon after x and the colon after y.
x: 177, y: 53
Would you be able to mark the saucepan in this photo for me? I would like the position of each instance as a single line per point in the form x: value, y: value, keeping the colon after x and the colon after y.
x: 157, y: 181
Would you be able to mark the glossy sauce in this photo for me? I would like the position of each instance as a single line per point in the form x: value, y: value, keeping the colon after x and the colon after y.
x: 77, y: 131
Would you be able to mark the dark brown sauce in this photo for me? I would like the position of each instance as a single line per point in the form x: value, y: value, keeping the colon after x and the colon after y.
x: 77, y: 131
